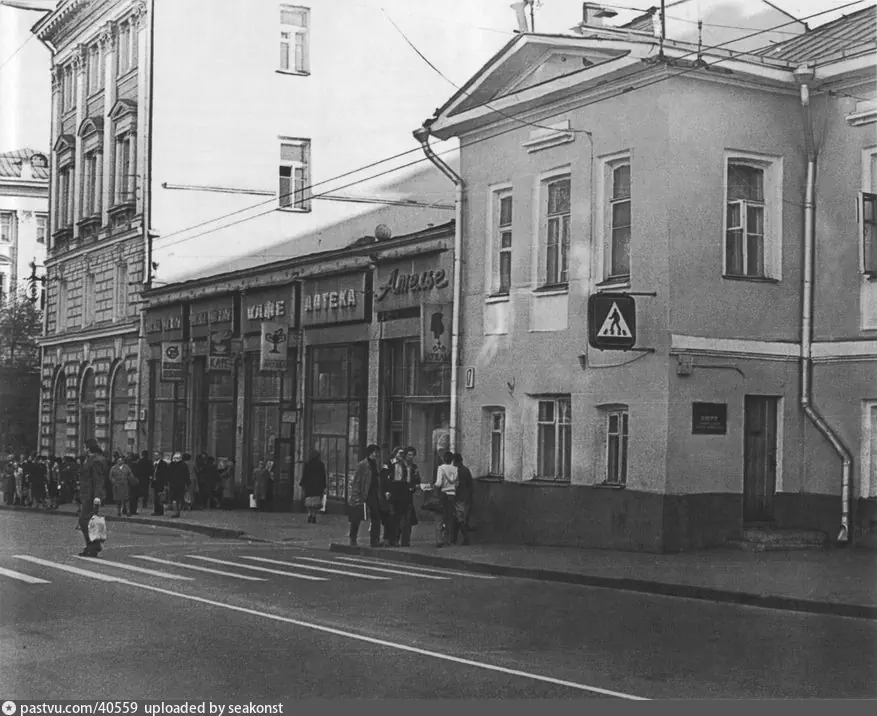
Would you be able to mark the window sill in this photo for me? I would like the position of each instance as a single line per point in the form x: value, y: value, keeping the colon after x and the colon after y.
x: 614, y: 282
x: 497, y: 298
x: 131, y: 71
x: 491, y: 478
x: 294, y: 209
x: 294, y: 73
x: 610, y: 486
x: 95, y: 94
x: 752, y: 279
x: 545, y: 481
x: 554, y: 289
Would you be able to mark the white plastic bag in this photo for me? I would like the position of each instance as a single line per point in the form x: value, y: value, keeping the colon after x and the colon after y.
x: 97, y: 529
x: 323, y: 507
x: 252, y: 501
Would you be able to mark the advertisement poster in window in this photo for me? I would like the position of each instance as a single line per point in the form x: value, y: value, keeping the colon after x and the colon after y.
x: 275, y: 338
x: 435, y: 332
x: 219, y: 351
x: 171, y: 361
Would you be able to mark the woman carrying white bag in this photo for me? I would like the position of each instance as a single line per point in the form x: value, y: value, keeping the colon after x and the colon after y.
x: 92, y: 477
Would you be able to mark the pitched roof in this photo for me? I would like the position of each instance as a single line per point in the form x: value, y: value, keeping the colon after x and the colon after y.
x: 10, y: 164
x: 850, y: 35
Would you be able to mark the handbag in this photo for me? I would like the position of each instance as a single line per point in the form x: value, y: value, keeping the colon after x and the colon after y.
x: 432, y: 501
x: 97, y: 529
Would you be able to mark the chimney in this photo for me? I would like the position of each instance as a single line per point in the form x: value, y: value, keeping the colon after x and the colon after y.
x: 26, y: 168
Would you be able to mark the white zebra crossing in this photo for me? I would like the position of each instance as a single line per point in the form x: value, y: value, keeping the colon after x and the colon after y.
x: 195, y: 567
x: 22, y: 577
x: 141, y: 570
x: 317, y: 569
x: 379, y: 569
x: 67, y: 568
x: 418, y: 568
x: 309, y: 577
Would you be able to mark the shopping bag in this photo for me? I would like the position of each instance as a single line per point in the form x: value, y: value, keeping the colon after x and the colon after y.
x: 432, y: 502
x: 252, y: 501
x: 323, y: 507
x: 97, y: 529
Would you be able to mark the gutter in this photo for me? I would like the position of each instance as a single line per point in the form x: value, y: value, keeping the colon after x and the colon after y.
x: 805, y: 74
x: 422, y: 135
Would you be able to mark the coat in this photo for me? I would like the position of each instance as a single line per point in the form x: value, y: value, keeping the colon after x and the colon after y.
x: 365, y: 486
x: 121, y: 477
x: 313, y: 478
x: 93, y: 475
x: 400, y: 491
x: 143, y: 469
x: 261, y: 478
x: 177, y: 479
x: 227, y: 478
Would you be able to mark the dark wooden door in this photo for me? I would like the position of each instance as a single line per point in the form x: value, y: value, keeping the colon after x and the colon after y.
x: 759, y: 458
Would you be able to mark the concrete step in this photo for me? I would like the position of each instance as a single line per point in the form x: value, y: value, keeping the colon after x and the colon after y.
x: 761, y: 539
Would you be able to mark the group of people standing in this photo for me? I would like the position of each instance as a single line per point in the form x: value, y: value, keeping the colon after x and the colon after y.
x: 39, y: 481
x: 384, y: 495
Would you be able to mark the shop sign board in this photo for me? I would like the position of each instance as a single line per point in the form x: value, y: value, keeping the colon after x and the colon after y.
x: 271, y: 304
x: 165, y: 324
x: 709, y: 418
x: 334, y: 299
x: 435, y: 332
x: 274, y: 342
x: 206, y: 317
x: 171, y: 361
x: 405, y: 284
x: 219, y: 350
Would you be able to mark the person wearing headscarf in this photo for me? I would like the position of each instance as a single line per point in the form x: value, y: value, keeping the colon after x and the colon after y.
x: 121, y: 478
x: 178, y: 481
x: 313, y: 484
x: 92, y: 477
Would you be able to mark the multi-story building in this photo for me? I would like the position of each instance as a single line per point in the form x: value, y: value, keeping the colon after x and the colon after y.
x: 718, y: 190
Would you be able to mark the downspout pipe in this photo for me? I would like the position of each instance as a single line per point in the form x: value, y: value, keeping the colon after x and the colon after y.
x: 804, y: 74
x: 422, y: 135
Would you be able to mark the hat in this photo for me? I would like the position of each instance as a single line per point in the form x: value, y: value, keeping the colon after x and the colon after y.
x: 92, y: 445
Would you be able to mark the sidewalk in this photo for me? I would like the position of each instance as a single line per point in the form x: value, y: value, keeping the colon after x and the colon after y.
x: 841, y: 582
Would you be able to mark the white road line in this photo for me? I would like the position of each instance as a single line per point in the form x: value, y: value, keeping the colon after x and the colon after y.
x: 201, y: 569
x: 317, y: 569
x: 67, y: 568
x: 22, y: 577
x: 260, y: 569
x: 419, y: 568
x: 142, y: 570
x: 389, y: 644
x: 378, y: 569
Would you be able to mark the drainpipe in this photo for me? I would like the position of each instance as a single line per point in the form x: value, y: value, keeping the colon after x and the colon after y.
x: 804, y: 74
x: 422, y: 136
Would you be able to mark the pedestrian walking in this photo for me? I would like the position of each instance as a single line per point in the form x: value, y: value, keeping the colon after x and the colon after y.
x: 121, y: 478
x: 178, y: 481
x: 414, y: 483
x: 160, y: 469
x: 18, y: 471
x: 226, y: 477
x: 142, y: 470
x: 363, y: 501
x: 39, y: 478
x: 92, y: 478
x: 261, y: 478
x: 313, y: 485
x: 462, y: 500
x: 446, y: 484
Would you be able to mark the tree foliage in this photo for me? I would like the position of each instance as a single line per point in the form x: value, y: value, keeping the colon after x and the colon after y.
x: 21, y: 324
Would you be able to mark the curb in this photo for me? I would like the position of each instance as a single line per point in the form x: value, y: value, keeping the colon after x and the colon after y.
x: 688, y: 591
x: 212, y: 532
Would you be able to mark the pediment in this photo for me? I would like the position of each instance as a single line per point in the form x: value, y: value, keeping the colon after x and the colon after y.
x: 123, y: 108
x: 91, y: 125
x: 64, y: 143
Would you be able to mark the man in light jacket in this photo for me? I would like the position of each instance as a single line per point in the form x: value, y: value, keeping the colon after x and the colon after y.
x: 92, y: 477
x: 364, y: 497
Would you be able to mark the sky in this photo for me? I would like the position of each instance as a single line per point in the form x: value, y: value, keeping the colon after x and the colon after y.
x: 485, y: 24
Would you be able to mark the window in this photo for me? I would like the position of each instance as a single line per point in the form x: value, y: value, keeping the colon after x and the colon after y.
x: 68, y: 98
x: 62, y: 306
x: 619, y: 222
x: 87, y: 406
x: 294, y: 190
x: 125, y: 41
x: 294, y: 39
x: 124, y: 179
x: 6, y: 226
x: 95, y: 70
x: 65, y: 196
x: 88, y: 299
x: 497, y: 442
x: 93, y: 184
x: 502, y: 241
x: 868, y: 233
x: 60, y: 415
x: 42, y: 224
x: 557, y: 238
x: 121, y: 292
x: 554, y: 439
x: 2, y: 288
x: 616, y: 447
x: 119, y: 411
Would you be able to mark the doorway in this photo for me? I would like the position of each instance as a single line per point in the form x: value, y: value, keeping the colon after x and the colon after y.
x: 759, y: 458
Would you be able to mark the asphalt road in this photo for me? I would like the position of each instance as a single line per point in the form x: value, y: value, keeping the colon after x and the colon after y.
x: 359, y: 628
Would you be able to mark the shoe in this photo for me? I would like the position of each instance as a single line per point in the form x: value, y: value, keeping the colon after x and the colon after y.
x: 85, y: 553
x: 353, y: 543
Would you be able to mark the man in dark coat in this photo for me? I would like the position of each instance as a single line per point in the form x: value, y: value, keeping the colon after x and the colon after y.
x: 365, y: 497
x: 463, y: 500
x: 159, y: 483
x: 177, y: 481
x: 396, y: 487
x: 92, y: 478
x: 142, y: 469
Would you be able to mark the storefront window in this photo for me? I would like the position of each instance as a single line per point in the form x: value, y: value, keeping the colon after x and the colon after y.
x: 119, y: 408
x: 220, y: 414
x: 169, y: 412
x: 60, y: 415
x: 338, y: 385
x: 270, y: 394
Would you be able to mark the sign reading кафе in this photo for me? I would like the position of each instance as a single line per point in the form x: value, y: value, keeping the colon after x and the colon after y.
x: 333, y: 299
x: 409, y: 283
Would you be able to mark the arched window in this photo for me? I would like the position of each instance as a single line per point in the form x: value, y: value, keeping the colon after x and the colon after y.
x: 60, y: 414
x: 86, y: 407
x: 119, y: 407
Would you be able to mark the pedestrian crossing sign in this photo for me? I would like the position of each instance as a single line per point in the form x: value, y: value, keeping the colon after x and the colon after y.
x: 612, y: 321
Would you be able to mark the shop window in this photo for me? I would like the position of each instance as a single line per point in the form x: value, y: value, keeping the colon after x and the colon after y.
x: 169, y: 413
x: 119, y: 411
x: 220, y: 414
x: 554, y: 439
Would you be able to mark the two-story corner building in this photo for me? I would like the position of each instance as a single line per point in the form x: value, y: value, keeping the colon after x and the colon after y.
x: 719, y: 191
x: 24, y: 207
x: 95, y: 262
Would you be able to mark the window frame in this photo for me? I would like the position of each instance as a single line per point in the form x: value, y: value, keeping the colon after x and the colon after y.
x: 495, y: 250
x: 92, y: 184
x: 44, y: 219
x: 299, y: 36
x: 621, y: 457
x: 293, y: 166
x: 120, y: 286
x: 8, y: 218
x: 496, y: 459
x: 94, y: 70
x: 560, y: 271
x: 771, y: 206
x: 562, y: 448
x: 124, y: 56
x: 89, y: 317
x: 867, y: 258
x: 613, y: 202
x: 123, y: 161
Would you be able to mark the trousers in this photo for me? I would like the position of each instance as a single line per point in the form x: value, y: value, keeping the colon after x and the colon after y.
x: 355, y: 515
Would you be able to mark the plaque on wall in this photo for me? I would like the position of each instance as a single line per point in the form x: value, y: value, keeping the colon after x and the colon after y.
x: 709, y: 418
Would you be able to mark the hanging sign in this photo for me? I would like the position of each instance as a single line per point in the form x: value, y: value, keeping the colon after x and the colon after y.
x: 612, y: 321
x: 219, y: 351
x: 274, y: 342
x: 435, y: 332
x: 171, y: 361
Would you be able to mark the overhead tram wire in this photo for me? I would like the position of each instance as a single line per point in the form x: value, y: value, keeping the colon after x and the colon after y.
x: 19, y: 49
x: 733, y: 55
